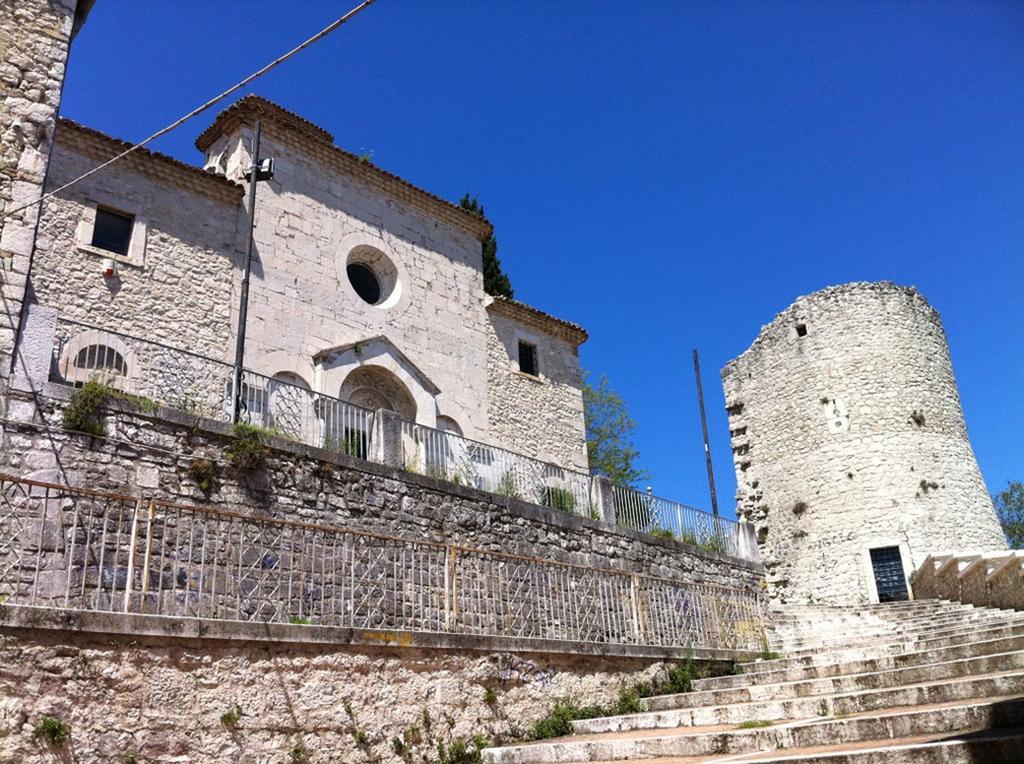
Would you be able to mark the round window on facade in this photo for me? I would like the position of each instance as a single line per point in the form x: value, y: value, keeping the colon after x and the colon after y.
x: 365, y: 282
x: 373, y: 277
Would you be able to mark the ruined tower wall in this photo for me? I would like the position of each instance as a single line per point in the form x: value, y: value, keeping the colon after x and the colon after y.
x: 848, y: 435
x: 34, y: 39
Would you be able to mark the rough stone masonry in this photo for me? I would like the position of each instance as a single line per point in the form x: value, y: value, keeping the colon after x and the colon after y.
x: 847, y: 436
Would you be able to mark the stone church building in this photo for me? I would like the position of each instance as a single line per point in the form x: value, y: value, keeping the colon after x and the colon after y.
x: 364, y: 287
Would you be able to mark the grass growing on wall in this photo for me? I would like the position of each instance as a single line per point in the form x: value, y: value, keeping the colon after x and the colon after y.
x: 248, y: 448
x: 84, y: 412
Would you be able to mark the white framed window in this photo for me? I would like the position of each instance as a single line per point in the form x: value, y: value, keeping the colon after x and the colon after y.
x: 108, y: 231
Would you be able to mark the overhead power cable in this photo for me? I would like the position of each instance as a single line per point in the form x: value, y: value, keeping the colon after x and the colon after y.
x: 273, y: 64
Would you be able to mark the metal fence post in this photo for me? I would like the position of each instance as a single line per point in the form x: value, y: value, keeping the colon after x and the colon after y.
x: 634, y: 602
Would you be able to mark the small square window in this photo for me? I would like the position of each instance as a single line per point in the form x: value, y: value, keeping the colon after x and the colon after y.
x: 528, y: 358
x: 112, y: 231
x: 801, y: 330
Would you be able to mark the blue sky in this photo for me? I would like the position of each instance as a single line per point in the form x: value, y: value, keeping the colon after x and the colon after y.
x: 668, y: 174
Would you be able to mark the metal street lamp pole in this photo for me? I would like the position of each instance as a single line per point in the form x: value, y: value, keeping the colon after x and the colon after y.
x: 257, y: 171
x: 704, y: 427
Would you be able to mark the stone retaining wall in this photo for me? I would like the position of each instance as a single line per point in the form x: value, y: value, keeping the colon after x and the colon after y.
x: 161, y: 696
x: 152, y: 453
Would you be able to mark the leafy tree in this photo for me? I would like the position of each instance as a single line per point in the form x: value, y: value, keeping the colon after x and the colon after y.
x: 1010, y: 507
x: 495, y: 280
x: 610, y: 435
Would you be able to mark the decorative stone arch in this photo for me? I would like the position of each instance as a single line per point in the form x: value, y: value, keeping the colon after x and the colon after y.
x: 336, y: 364
x: 374, y: 387
x: 94, y: 353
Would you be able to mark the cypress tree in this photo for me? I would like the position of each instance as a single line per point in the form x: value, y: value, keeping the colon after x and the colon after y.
x: 495, y: 280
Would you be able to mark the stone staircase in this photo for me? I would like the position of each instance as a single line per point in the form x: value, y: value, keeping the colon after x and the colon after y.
x: 928, y: 681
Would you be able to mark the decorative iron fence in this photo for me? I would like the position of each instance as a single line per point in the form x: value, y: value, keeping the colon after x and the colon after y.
x: 204, y: 386
x: 449, y: 456
x: 91, y: 550
x: 643, y: 511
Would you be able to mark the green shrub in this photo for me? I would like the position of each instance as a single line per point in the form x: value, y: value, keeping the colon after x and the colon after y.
x: 84, y: 411
x: 248, y: 448
x: 203, y: 473
x: 490, y: 697
x: 231, y: 717
x: 53, y: 731
x: 463, y: 752
x: 663, y: 533
x: 679, y: 677
x: 629, y: 701
x: 299, y: 620
x: 507, y: 486
x: 558, y: 722
x: 297, y: 753
x: 557, y: 498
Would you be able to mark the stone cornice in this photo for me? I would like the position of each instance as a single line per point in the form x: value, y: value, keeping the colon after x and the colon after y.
x: 302, y: 135
x: 101, y: 147
x: 538, y: 319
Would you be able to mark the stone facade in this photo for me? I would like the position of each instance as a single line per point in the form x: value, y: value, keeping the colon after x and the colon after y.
x: 175, y: 285
x: 848, y: 435
x: 541, y: 414
x: 35, y: 36
x: 426, y: 348
x: 162, y: 698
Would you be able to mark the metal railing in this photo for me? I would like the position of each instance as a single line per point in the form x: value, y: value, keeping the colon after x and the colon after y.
x: 90, y: 550
x: 643, y: 511
x: 449, y: 456
x: 203, y: 386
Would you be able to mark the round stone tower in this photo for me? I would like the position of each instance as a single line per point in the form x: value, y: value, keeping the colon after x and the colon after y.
x: 851, y: 452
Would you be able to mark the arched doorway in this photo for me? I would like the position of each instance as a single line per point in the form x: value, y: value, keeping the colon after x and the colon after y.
x: 374, y: 387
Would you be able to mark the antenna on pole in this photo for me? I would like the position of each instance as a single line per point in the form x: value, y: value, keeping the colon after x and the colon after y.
x: 704, y: 427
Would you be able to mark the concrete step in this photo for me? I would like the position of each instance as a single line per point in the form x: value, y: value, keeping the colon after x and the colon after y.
x: 820, y: 664
x: 855, y: 626
x: 800, y: 672
x: 717, y: 742
x: 852, y: 682
x: 967, y: 747
x: 842, y: 703
x: 909, y: 644
x: 820, y: 634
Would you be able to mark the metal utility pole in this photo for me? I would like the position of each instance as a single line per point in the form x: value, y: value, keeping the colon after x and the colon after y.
x: 704, y: 427
x: 257, y: 171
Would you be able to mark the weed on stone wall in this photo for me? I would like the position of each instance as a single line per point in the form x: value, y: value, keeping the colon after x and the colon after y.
x: 53, y: 731
x: 203, y: 473
x: 556, y: 498
x: 421, y: 742
x: 678, y: 678
x: 231, y: 717
x: 84, y: 412
x: 668, y: 535
x: 248, y: 449
x: 297, y: 754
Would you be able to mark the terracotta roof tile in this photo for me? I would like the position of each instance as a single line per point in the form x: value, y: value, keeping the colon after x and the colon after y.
x: 104, y: 147
x: 545, y: 321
